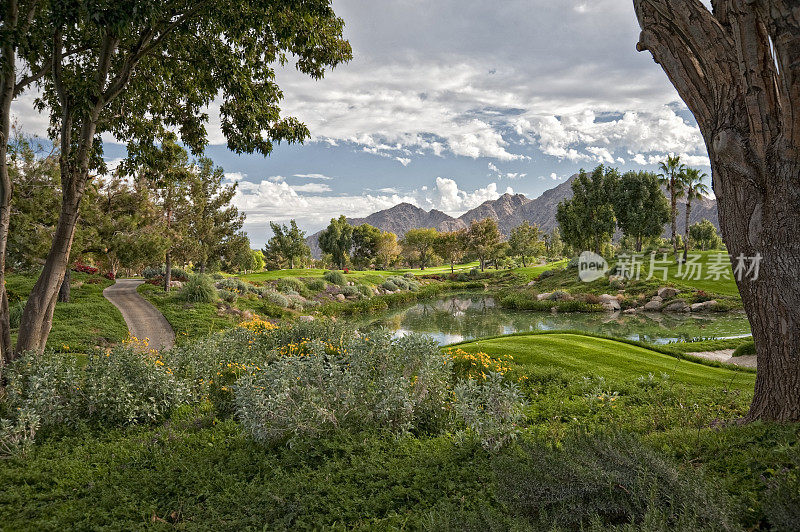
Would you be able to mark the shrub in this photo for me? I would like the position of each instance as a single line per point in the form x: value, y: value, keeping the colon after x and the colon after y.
x: 379, y: 383
x: 409, y: 275
x: 199, y: 289
x: 17, y: 436
x: 233, y: 284
x: 276, y: 299
x: 547, y: 273
x: 491, y: 409
x: 364, y: 290
x: 316, y: 285
x: 400, y: 282
x: 296, y: 301
x: 229, y: 296
x: 177, y: 274
x: 558, y: 295
x: 335, y: 277
x: 389, y: 285
x: 84, y: 268
x: 599, y: 481
x: 782, y: 499
x: 351, y: 291
x: 748, y: 348
x: 290, y: 285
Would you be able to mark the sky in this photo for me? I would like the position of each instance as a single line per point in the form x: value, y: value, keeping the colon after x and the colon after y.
x: 449, y: 103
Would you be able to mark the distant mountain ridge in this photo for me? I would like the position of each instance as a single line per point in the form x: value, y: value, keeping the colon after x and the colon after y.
x: 509, y: 211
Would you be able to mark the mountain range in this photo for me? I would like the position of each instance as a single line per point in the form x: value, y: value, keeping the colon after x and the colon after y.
x: 509, y: 211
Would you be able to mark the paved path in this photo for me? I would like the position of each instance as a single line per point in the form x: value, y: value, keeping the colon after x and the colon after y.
x: 143, y: 319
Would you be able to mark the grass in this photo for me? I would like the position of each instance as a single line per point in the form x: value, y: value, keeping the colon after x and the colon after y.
x: 608, y: 358
x: 371, y: 276
x: 188, y: 320
x: 76, y: 327
x: 197, y: 471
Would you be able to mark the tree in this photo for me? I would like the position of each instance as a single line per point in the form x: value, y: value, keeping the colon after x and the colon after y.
x: 131, y: 71
x: 21, y: 31
x: 213, y: 225
x: 288, y: 243
x: 418, y: 245
x: 337, y: 239
x: 165, y: 169
x: 587, y: 220
x: 640, y: 207
x: 483, y: 237
x: 451, y: 246
x: 553, y: 243
x: 705, y: 234
x: 526, y: 240
x: 671, y: 170
x: 693, y: 188
x: 387, y: 250
x: 737, y: 71
x: 365, y: 244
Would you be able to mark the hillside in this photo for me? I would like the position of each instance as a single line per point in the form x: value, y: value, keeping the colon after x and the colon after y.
x: 509, y: 211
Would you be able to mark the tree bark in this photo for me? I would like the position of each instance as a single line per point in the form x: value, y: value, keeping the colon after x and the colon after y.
x: 64, y: 289
x: 738, y: 72
x: 673, y: 214
x: 686, y: 229
x: 167, y: 271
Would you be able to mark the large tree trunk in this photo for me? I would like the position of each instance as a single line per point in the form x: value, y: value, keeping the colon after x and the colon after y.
x: 738, y: 71
x: 7, y: 84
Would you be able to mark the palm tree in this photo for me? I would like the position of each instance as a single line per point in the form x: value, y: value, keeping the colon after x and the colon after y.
x: 694, y: 188
x: 670, y: 177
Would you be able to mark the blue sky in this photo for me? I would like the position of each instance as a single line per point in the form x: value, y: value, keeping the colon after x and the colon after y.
x: 449, y: 103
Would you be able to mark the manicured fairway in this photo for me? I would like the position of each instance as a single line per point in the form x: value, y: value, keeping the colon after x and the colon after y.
x: 607, y: 358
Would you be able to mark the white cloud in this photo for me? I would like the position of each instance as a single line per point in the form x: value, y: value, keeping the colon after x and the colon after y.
x: 314, y: 176
x: 316, y: 188
x: 403, y: 160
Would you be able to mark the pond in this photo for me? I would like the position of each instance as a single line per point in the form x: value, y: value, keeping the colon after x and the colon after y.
x: 466, y: 316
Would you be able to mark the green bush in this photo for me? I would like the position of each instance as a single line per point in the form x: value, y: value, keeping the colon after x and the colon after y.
x: 229, y: 296
x: 199, y: 289
x: 351, y: 291
x: 782, y: 498
x: 233, y: 284
x: 389, y: 285
x: 597, y: 481
x: 117, y: 387
x: 745, y: 349
x: 291, y: 284
x: 491, y: 409
x: 276, y: 299
x: 176, y: 273
x: 364, y: 290
x: 335, y: 277
x: 316, y: 285
x: 17, y: 436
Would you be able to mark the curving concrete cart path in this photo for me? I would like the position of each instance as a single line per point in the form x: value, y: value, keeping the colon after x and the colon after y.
x: 143, y: 319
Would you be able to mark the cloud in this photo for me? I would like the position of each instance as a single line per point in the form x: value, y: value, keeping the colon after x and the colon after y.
x: 314, y: 176
x: 312, y: 187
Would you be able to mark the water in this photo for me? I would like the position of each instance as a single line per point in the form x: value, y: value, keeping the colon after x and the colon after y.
x: 466, y: 316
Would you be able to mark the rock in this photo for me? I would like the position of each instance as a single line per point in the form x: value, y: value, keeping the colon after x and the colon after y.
x: 652, y: 305
x: 341, y: 297
x: 247, y: 315
x: 629, y: 311
x: 350, y: 283
x: 612, y: 305
x: 705, y: 305
x: 306, y: 318
x: 667, y: 292
x: 542, y: 297
x: 531, y: 283
x: 616, y: 279
x: 175, y: 284
x: 676, y: 306
x: 605, y: 298
x: 657, y: 298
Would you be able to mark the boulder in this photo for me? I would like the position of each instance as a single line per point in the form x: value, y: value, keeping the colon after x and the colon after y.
x: 542, y: 297
x: 605, y: 298
x: 306, y: 318
x: 175, y: 284
x: 341, y: 297
x: 653, y: 305
x: 679, y: 305
x: 629, y: 311
x: 667, y: 292
x: 611, y: 304
x: 705, y: 305
x: 531, y: 283
x: 657, y: 298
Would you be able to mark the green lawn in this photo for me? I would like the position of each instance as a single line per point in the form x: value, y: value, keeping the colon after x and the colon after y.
x: 610, y: 359
x: 88, y: 320
x: 353, y: 275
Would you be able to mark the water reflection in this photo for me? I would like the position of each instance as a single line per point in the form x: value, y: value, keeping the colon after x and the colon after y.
x: 466, y: 316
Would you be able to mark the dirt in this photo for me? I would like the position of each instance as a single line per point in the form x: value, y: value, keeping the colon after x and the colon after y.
x: 143, y: 319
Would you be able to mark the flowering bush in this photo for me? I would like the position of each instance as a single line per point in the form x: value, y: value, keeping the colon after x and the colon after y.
x: 84, y: 268
x: 477, y: 365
